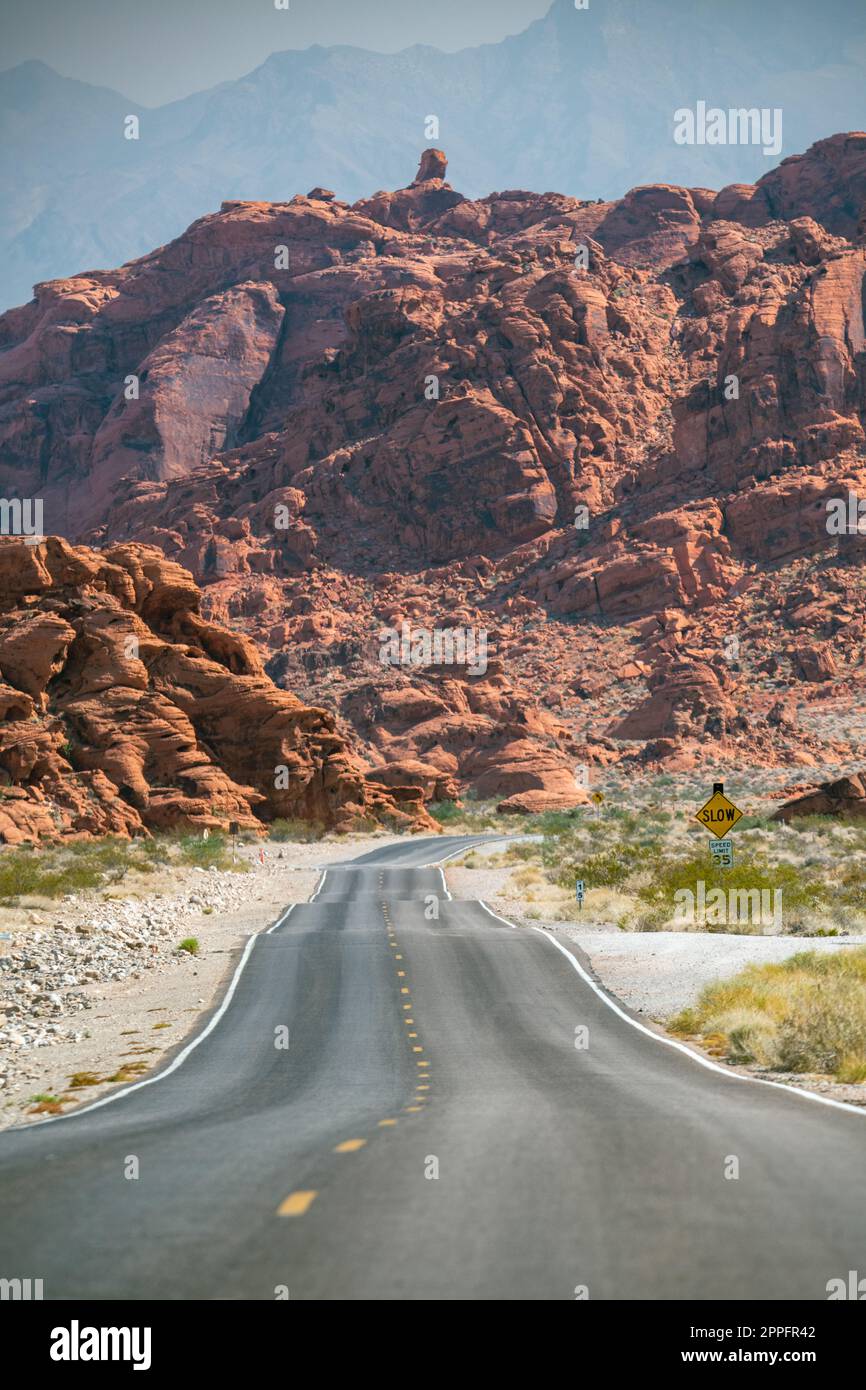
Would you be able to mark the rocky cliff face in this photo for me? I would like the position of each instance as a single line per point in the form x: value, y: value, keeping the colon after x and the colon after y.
x: 603, y: 436
x: 122, y: 709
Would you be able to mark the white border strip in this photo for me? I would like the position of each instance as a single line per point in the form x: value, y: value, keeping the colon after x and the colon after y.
x: 279, y: 922
x: 319, y: 886
x: 671, y: 1042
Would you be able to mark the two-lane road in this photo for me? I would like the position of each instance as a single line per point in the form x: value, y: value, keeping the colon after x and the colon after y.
x: 432, y: 1131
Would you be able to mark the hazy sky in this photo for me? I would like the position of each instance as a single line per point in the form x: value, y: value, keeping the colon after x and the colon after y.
x: 157, y: 50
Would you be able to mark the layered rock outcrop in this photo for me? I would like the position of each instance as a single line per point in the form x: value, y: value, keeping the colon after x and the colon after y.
x: 122, y: 710
x: 846, y: 797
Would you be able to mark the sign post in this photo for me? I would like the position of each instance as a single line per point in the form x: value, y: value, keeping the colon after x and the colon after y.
x: 233, y: 831
x: 579, y: 892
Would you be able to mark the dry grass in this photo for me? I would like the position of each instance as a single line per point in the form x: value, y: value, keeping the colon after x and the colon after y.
x: 805, y: 1014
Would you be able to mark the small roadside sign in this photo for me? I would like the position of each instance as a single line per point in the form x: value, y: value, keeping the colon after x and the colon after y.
x: 723, y: 853
x: 580, y: 890
x: 719, y: 814
x: 597, y: 797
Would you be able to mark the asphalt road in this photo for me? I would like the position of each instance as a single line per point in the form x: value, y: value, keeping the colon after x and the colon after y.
x: 420, y: 1046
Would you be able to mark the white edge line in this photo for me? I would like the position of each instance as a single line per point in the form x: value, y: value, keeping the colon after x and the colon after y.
x: 319, y: 887
x: 671, y: 1042
x: 185, y: 1052
x: 463, y: 849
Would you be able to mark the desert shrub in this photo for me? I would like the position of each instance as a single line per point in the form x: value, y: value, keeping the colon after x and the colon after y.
x: 804, y: 1014
x: 212, y: 853
x: 69, y: 867
x: 553, y: 823
x: 19, y: 873
x: 517, y: 854
x: 817, y: 825
x: 45, y: 875
x: 605, y: 868
x: 156, y: 849
x: 473, y: 817
x: 299, y: 831
x: 801, y: 895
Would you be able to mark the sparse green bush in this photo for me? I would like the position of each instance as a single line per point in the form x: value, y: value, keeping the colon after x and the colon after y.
x: 553, y: 823
x: 471, y: 817
x: 607, y: 868
x: 156, y: 849
x: 756, y: 823
x: 298, y: 831
x: 212, y: 853
x: 69, y: 867
x: 800, y: 895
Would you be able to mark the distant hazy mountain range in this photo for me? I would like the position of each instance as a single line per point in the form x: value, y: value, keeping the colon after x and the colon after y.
x: 582, y: 102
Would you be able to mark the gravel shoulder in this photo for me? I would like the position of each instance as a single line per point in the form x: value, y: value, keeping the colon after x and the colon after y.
x: 656, y: 974
x: 94, y: 988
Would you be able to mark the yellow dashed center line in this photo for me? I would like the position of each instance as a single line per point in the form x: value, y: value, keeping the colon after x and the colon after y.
x: 297, y: 1204
x: 349, y: 1146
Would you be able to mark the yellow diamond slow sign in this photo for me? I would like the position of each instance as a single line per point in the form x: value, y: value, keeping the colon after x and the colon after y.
x: 719, y: 815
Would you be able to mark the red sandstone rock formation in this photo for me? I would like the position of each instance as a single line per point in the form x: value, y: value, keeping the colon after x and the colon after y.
x: 604, y: 433
x: 844, y: 797
x: 122, y: 709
